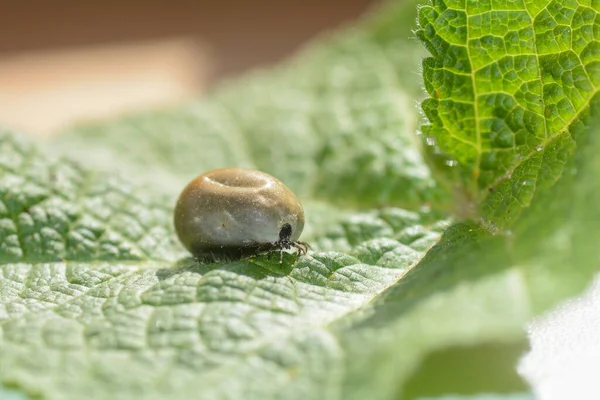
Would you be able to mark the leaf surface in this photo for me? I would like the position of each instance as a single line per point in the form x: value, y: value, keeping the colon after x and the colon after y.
x: 510, y: 83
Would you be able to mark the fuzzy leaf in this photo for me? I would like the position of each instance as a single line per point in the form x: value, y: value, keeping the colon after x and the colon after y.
x: 511, y: 84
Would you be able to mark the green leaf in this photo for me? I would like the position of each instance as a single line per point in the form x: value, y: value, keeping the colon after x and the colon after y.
x: 98, y: 300
x: 61, y: 211
x: 93, y: 297
x: 474, y: 287
x: 510, y: 84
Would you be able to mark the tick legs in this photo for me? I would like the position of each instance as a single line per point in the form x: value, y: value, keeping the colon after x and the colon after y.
x: 301, y: 248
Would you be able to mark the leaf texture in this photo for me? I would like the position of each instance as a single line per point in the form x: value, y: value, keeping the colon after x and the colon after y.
x: 511, y: 83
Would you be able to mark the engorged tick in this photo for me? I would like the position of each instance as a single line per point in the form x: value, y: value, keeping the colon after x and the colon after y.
x: 235, y: 212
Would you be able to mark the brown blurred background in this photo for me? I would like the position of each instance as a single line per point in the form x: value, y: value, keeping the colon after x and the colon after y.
x: 65, y: 61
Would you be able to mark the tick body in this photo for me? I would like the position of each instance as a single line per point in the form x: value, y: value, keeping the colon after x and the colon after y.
x: 235, y: 212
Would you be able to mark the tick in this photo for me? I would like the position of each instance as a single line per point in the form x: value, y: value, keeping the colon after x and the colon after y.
x: 236, y: 212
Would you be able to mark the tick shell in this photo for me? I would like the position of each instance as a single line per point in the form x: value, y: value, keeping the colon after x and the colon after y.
x: 231, y: 209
